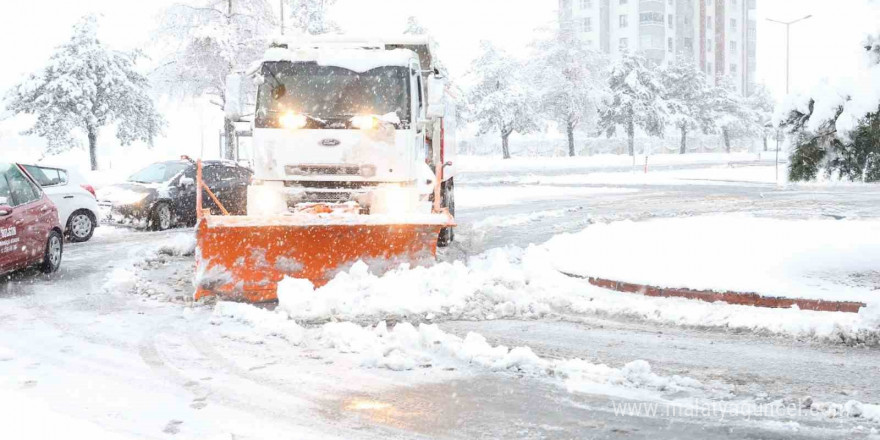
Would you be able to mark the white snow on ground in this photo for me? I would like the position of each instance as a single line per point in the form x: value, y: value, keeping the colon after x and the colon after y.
x: 28, y: 418
x: 721, y: 175
x: 494, y: 163
x: 503, y: 221
x: 813, y: 259
x: 478, y: 197
x: 408, y: 347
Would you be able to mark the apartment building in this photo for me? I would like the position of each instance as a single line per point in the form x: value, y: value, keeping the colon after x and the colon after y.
x: 718, y: 35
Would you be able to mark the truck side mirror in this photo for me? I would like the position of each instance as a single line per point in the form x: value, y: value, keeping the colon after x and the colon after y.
x: 436, y: 96
x: 234, y: 102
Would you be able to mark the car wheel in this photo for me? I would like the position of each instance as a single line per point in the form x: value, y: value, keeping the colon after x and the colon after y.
x: 447, y: 235
x: 54, y: 250
x: 80, y: 227
x: 162, y: 217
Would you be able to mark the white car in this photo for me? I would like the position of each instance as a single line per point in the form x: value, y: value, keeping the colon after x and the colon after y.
x: 75, y: 199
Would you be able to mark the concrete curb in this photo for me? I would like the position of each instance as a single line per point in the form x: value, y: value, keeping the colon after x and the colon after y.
x: 738, y: 298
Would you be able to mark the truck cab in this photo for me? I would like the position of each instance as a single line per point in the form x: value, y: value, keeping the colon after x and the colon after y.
x: 352, y: 121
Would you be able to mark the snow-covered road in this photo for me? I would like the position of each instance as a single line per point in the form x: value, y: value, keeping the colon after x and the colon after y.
x: 108, y: 347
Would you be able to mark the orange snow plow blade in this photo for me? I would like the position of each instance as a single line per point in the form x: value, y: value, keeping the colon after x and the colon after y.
x: 244, y: 258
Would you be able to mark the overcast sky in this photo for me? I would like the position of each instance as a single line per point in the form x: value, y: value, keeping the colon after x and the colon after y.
x: 823, y: 46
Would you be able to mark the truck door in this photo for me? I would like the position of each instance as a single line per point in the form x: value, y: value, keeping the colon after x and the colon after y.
x: 421, y: 149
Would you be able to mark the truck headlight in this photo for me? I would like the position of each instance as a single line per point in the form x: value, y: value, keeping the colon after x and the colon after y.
x: 364, y: 122
x: 292, y: 121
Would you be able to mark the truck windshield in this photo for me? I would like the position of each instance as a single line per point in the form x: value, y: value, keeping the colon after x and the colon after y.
x: 331, y: 93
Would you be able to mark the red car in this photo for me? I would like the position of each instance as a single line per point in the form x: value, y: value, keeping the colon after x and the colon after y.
x: 30, y: 233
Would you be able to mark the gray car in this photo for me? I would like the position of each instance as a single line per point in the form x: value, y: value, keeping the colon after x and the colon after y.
x: 163, y: 194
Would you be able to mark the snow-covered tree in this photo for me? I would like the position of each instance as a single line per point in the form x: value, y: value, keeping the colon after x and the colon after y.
x: 500, y: 100
x: 84, y: 88
x: 836, y: 127
x: 688, y: 98
x: 311, y: 16
x: 414, y: 27
x: 208, y: 41
x: 732, y: 114
x: 762, y: 105
x: 571, y: 82
x: 635, y: 100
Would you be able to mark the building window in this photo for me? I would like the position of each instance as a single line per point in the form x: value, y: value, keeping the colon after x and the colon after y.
x: 733, y: 23
x: 587, y: 25
x: 624, y: 21
x: 708, y: 22
x: 733, y: 69
x: 689, y: 44
x: 586, y: 4
x: 669, y: 44
x: 650, y: 17
x: 622, y: 2
x: 709, y: 45
x: 670, y: 21
x: 624, y: 44
x: 733, y: 48
x: 709, y: 68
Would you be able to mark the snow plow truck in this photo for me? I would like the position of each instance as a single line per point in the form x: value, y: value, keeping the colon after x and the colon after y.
x: 353, y: 158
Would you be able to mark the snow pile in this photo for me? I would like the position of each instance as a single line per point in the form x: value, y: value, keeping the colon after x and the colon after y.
x: 813, y: 259
x: 264, y: 322
x: 182, y: 245
x: 408, y: 347
x: 493, y: 285
x: 526, y: 283
x: 121, y: 280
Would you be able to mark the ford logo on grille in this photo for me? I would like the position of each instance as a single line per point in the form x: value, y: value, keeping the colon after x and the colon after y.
x: 330, y: 142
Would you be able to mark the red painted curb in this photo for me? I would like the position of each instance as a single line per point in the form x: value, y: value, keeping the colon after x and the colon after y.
x: 739, y: 298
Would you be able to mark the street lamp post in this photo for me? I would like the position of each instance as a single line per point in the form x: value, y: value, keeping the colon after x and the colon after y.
x: 787, y: 70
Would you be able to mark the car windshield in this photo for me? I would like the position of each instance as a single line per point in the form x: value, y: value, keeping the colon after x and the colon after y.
x: 328, y: 92
x: 158, y: 172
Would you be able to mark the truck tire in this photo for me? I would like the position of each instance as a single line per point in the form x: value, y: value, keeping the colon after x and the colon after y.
x: 447, y: 194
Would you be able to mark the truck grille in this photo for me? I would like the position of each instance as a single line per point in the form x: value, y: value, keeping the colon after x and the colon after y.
x: 323, y: 170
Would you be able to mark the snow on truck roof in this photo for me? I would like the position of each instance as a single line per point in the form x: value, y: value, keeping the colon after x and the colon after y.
x: 357, y: 60
x: 356, y: 53
x: 352, y: 41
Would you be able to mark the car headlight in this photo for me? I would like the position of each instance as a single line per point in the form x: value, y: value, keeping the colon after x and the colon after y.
x: 130, y: 198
